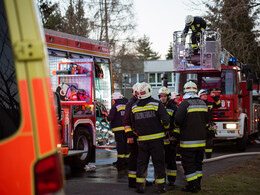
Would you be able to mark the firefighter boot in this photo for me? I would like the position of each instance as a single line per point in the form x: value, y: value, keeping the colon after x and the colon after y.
x: 171, y: 185
x: 191, y: 187
x: 196, y: 51
x: 131, y: 182
x: 198, y: 184
x: 140, y: 188
x: 208, y: 155
x: 160, y: 188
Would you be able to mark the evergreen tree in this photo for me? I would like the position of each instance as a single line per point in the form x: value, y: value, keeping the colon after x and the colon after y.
x: 236, y: 21
x: 144, y: 51
x: 70, y: 19
x: 50, y: 15
x: 169, y: 54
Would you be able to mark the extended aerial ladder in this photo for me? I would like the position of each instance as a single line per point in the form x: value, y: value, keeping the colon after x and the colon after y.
x: 209, y: 58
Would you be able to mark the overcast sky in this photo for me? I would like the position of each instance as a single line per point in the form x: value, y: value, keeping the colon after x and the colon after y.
x: 158, y: 19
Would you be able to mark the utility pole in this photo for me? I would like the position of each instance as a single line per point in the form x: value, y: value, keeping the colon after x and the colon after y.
x: 106, y: 21
x: 165, y: 79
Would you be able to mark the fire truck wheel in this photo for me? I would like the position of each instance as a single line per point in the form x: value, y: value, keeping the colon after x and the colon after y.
x: 82, y: 141
x: 241, y: 143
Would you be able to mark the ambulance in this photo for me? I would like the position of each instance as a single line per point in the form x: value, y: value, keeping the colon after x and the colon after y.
x: 30, y: 160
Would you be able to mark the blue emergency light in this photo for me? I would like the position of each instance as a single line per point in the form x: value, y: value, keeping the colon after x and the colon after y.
x: 234, y: 60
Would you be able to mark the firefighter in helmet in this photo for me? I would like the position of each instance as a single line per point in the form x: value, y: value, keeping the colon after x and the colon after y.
x: 131, y: 139
x: 148, y: 117
x: 211, y: 127
x: 171, y: 137
x: 115, y: 118
x: 192, y: 117
x: 175, y: 96
x: 197, y: 25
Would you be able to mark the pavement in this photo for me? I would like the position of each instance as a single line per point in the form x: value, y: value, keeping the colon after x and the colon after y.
x: 108, y: 180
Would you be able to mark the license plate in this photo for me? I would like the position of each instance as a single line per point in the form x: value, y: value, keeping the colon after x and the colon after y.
x: 231, y: 131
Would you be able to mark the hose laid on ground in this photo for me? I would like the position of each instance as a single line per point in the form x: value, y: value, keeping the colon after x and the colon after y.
x: 227, y: 156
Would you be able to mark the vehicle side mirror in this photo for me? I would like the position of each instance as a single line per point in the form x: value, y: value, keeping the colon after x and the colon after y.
x: 58, y: 105
x: 249, y: 85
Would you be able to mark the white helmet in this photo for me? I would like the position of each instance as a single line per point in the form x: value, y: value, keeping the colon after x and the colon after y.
x: 117, y: 95
x: 144, y: 90
x: 189, y: 20
x: 190, y: 87
x: 202, y: 91
x: 174, y: 95
x: 134, y: 88
x: 164, y: 90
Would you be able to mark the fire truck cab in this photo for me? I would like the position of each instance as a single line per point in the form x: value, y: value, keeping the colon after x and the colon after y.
x: 217, y: 71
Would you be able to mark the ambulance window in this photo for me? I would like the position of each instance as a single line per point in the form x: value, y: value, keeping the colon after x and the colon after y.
x: 9, y: 96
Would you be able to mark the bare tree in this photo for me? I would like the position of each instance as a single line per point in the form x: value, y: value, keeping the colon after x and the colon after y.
x: 111, y: 20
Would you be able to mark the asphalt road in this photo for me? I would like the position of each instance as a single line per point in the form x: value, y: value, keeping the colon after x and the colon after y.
x: 107, y: 180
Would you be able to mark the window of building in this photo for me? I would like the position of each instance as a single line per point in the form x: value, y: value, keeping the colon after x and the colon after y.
x: 141, y: 77
x: 155, y: 79
x: 9, y: 95
x: 133, y: 78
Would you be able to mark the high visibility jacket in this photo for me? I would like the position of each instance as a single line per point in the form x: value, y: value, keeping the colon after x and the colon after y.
x: 116, y: 115
x: 192, y: 117
x: 148, y: 117
x: 171, y: 110
x: 198, y: 25
x: 172, y: 131
x: 211, y: 105
x: 127, y: 117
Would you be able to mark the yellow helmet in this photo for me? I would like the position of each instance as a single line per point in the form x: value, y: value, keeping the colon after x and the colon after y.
x: 190, y: 87
x: 164, y: 90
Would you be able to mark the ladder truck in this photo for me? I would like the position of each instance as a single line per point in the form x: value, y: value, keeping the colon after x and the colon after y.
x: 216, y: 70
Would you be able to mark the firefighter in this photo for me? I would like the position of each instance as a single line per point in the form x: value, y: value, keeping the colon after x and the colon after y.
x: 131, y: 139
x: 115, y: 118
x: 197, y: 25
x: 192, y: 117
x: 211, y: 129
x: 175, y: 100
x: 148, y: 117
x: 170, y: 140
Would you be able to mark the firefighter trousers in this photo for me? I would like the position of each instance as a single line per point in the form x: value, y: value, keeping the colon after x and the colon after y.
x: 132, y: 162
x: 195, y: 39
x: 170, y: 161
x: 209, y: 143
x: 154, y: 148
x: 192, y: 165
x: 121, y: 147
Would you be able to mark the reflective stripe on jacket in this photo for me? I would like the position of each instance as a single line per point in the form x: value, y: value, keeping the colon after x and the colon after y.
x: 146, y: 116
x: 192, y: 117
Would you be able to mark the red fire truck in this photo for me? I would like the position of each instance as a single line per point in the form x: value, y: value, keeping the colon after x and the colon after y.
x: 215, y: 69
x: 80, y: 71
